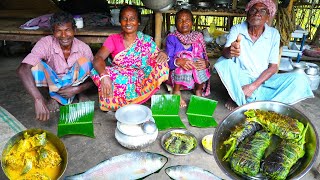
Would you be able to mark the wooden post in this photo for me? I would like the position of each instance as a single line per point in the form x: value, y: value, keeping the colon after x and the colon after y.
x: 168, y: 23
x: 290, y: 6
x: 158, y: 28
x: 196, y: 23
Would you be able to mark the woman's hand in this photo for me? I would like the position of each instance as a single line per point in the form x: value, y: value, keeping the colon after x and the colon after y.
x: 201, y: 64
x: 185, y: 63
x: 106, y: 87
x: 162, y: 57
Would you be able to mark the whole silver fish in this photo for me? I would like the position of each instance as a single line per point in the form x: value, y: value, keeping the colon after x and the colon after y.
x: 134, y: 165
x: 184, y: 172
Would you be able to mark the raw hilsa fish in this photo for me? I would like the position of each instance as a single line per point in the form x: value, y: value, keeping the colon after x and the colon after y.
x: 185, y: 172
x: 134, y: 165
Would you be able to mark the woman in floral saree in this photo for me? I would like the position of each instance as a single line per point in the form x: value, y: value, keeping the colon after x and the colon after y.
x: 138, y: 67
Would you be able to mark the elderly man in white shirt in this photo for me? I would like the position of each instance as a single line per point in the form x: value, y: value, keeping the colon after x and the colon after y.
x: 248, y: 67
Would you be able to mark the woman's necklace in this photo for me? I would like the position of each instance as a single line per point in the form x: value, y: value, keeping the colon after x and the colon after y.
x: 126, y: 44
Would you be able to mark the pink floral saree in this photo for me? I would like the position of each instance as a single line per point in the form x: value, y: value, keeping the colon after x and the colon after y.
x: 135, y: 74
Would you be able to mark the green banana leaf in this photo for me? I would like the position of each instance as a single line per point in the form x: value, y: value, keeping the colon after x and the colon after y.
x: 165, y: 111
x: 76, y: 119
x: 200, y: 111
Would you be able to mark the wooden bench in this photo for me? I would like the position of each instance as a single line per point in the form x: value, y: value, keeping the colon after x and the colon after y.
x: 10, y: 31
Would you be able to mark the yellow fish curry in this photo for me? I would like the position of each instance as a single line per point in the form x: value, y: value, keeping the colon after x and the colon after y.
x: 33, y: 157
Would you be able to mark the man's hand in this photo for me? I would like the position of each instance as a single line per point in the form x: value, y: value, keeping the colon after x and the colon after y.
x: 235, y: 47
x: 42, y: 111
x: 106, y: 87
x: 248, y: 90
x: 162, y: 57
x: 68, y: 92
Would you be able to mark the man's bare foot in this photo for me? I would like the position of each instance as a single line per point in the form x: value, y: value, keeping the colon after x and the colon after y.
x: 231, y: 105
x: 82, y: 97
x: 53, y: 105
x: 182, y: 102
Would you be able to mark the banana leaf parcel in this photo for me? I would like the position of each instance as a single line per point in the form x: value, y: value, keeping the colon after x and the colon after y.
x: 238, y: 135
x: 165, y: 111
x: 247, y: 157
x: 200, y: 111
x: 278, y: 164
x: 283, y: 126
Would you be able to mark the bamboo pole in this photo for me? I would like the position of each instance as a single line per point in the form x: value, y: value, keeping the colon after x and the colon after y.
x: 158, y: 28
x: 290, y: 6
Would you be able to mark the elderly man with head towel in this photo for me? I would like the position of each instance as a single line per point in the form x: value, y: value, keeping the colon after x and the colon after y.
x: 249, y: 63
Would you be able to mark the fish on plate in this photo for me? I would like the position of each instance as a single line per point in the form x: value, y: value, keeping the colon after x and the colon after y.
x: 185, y: 172
x: 134, y: 165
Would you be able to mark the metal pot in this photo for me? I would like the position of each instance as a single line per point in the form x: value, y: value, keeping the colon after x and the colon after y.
x: 237, y: 117
x: 157, y: 5
x: 221, y: 1
x: 50, y: 137
x: 312, y: 70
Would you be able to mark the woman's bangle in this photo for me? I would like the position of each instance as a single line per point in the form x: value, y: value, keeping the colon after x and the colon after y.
x: 103, y: 76
x: 174, y: 62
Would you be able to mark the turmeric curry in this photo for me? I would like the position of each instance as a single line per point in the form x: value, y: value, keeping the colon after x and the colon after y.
x: 33, y: 157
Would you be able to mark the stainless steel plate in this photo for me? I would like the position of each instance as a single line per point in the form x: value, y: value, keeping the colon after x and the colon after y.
x: 133, y: 114
x: 182, y: 131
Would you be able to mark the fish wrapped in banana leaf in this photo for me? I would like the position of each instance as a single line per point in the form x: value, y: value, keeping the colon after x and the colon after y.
x: 278, y: 164
x: 283, y: 126
x: 180, y: 143
x: 247, y: 157
x: 238, y: 135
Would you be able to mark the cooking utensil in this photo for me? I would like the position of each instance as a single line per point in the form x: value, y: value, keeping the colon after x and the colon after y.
x: 182, y: 131
x: 207, y: 143
x: 49, y: 136
x: 237, y: 117
x: 135, y: 142
x: 149, y: 127
x: 133, y: 114
x: 157, y: 5
x: 312, y: 70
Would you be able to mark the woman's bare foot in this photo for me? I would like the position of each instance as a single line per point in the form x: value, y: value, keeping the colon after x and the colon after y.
x: 198, y: 92
x: 82, y: 97
x: 231, y: 105
x: 53, y: 105
x: 182, y: 102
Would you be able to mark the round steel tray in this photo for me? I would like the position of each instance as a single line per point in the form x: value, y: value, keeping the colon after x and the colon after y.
x: 182, y: 131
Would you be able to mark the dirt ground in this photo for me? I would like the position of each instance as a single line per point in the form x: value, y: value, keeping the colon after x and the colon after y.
x: 85, y: 152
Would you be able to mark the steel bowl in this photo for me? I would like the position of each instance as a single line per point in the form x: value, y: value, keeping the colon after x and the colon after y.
x: 237, y: 117
x: 50, y: 137
x: 206, y: 139
x: 182, y: 131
